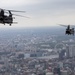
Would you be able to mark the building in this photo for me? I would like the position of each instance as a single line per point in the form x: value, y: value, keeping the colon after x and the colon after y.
x: 64, y: 72
x: 49, y: 73
x: 70, y: 51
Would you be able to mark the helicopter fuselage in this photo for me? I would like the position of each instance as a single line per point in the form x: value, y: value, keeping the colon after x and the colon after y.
x: 6, y: 16
x: 69, y: 31
x: 6, y: 19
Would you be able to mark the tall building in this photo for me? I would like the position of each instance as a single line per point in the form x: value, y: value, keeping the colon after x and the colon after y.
x: 70, y: 51
x: 64, y: 72
x: 62, y: 54
x: 73, y: 50
x: 67, y: 51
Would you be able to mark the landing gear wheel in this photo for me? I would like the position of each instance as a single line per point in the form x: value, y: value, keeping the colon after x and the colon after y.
x: 10, y: 24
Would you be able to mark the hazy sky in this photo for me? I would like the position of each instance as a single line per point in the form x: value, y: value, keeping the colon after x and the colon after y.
x: 42, y: 12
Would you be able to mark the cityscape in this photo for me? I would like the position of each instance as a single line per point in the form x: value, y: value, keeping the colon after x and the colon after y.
x: 37, y: 37
x: 36, y: 51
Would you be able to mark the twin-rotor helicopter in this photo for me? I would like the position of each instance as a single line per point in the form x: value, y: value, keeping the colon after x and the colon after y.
x: 69, y: 30
x: 8, y: 19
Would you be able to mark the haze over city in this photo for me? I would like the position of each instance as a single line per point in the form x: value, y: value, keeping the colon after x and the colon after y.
x: 43, y: 44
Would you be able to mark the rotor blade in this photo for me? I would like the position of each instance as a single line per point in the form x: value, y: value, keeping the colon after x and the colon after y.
x: 72, y: 25
x: 63, y: 25
x: 13, y: 10
x: 20, y: 15
x: 16, y: 11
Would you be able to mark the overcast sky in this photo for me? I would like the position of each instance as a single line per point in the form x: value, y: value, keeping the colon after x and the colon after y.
x: 42, y: 12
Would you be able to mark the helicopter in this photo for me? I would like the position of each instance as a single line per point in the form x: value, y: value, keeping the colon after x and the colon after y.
x: 69, y: 30
x: 8, y: 19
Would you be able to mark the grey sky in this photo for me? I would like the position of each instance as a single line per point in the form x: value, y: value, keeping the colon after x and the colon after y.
x: 42, y: 12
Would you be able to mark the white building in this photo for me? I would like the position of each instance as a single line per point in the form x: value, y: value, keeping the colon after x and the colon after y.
x: 49, y: 73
